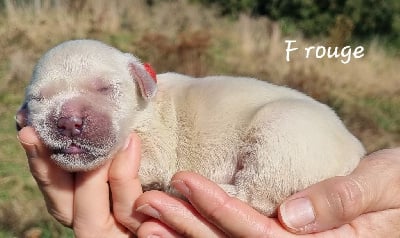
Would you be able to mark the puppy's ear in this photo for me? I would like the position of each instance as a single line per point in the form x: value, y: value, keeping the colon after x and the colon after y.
x: 145, y: 77
x: 21, y: 118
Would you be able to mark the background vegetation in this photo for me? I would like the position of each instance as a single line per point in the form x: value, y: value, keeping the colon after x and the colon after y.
x: 235, y: 37
x: 364, y: 19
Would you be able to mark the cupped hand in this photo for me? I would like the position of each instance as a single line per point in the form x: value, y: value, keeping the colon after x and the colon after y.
x: 368, y: 199
x: 364, y: 204
x: 82, y: 200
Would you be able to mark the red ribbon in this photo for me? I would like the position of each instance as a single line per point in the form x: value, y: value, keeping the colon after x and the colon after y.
x: 151, y: 71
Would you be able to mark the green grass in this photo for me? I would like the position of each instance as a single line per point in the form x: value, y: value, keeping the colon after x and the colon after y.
x: 5, y: 234
x: 384, y: 111
x: 124, y: 40
x: 21, y: 204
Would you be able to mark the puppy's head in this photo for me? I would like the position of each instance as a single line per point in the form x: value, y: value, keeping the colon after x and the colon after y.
x: 82, y: 100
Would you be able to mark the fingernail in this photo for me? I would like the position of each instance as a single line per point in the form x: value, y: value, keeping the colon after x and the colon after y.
x: 297, y: 213
x: 181, y: 187
x: 30, y: 149
x: 149, y: 211
x: 127, y: 143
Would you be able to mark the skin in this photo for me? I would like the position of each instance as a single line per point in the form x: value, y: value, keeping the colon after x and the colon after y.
x: 85, y: 98
x: 82, y: 101
x: 362, y: 204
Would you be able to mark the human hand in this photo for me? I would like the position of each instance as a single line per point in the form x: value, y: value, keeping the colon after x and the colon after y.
x: 374, y: 212
x: 364, y: 204
x: 82, y: 200
x: 368, y: 199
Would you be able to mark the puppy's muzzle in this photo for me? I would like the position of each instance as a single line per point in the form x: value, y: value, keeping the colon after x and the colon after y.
x: 70, y: 126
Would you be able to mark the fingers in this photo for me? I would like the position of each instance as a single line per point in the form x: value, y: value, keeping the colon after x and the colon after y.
x: 125, y: 184
x: 56, y: 185
x: 243, y: 220
x: 212, y: 207
x: 92, y: 208
x: 92, y: 212
x: 373, y: 186
x: 82, y: 201
x: 155, y: 228
x: 176, y: 214
x: 91, y: 201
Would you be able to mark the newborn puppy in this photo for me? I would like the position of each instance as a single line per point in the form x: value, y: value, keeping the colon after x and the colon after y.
x: 259, y: 142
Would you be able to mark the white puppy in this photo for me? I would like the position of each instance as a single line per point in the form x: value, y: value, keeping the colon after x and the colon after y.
x: 259, y: 141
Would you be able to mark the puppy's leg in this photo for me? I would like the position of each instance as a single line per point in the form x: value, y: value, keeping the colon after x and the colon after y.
x: 291, y: 144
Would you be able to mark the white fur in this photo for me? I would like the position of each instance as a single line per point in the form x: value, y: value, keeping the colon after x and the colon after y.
x: 259, y: 141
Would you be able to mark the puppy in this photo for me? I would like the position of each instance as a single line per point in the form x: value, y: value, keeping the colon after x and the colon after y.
x: 259, y: 142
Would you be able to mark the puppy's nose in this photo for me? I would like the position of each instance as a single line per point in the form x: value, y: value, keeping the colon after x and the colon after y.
x: 70, y: 126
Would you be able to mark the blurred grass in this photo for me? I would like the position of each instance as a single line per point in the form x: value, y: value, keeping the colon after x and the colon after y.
x: 197, y: 41
x: 385, y: 112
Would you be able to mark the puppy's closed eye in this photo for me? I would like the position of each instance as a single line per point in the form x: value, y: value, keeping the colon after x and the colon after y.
x: 105, y: 89
x: 103, y: 86
x: 37, y: 98
x: 260, y: 142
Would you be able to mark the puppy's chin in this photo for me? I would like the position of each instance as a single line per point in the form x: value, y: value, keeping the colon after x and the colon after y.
x: 77, y: 162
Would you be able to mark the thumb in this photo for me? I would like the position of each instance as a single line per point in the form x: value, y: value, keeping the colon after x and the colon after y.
x: 125, y: 183
x: 373, y: 186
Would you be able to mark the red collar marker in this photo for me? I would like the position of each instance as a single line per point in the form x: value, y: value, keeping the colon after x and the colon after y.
x: 151, y: 71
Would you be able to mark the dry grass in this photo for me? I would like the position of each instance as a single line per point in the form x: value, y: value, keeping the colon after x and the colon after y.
x: 178, y: 36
